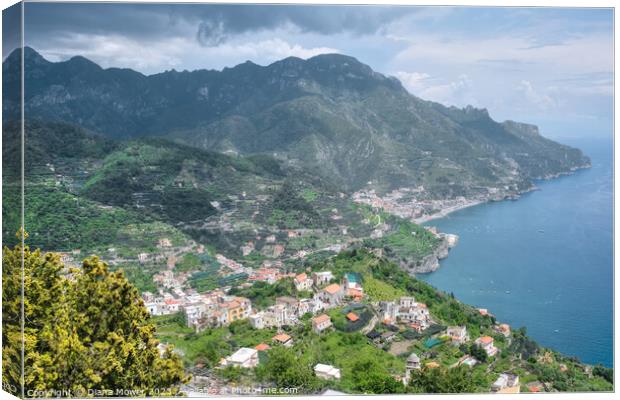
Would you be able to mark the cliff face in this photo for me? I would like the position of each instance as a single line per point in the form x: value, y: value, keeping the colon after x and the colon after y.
x: 430, y: 263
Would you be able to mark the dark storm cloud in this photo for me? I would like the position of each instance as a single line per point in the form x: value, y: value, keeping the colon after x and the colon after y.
x: 212, y: 24
x: 220, y: 22
x: 132, y: 20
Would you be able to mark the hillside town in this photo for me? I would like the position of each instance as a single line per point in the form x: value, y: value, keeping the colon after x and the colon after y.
x: 415, y: 204
x: 323, y: 292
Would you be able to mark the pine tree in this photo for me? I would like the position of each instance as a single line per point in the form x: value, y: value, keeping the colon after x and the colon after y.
x: 86, y: 329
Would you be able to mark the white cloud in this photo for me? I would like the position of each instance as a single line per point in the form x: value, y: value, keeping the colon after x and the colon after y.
x: 540, y: 100
x: 413, y: 81
x: 459, y: 92
x: 174, y: 52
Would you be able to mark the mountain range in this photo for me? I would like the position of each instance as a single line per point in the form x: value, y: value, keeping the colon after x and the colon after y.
x: 329, y: 115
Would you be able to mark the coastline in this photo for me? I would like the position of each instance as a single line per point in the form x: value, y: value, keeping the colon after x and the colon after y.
x: 431, y: 263
x: 474, y: 202
x: 446, y: 211
x: 544, y: 324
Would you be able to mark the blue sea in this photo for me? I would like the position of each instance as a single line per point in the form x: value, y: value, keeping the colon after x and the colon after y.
x: 544, y: 261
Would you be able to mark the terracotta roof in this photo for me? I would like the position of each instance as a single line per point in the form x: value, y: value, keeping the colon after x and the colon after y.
x: 483, y: 311
x: 321, y: 318
x: 282, y: 338
x: 352, y: 317
x: 333, y: 288
x: 421, y: 305
x: 262, y: 347
x: 301, y: 277
x: 534, y: 387
x: 232, y: 304
x: 355, y: 293
x: 172, y: 301
x: 486, y: 339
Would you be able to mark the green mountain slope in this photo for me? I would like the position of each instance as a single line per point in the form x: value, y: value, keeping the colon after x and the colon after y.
x: 329, y: 113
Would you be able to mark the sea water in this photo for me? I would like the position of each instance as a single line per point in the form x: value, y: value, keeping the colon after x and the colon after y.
x: 544, y: 261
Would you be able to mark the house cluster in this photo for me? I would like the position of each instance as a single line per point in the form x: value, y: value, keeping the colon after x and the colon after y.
x: 167, y: 279
x: 288, y: 310
x: 211, y: 309
x: 401, y: 202
x: 407, y: 311
x: 267, y: 274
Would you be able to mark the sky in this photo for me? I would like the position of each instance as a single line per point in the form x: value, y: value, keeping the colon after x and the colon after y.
x: 548, y: 66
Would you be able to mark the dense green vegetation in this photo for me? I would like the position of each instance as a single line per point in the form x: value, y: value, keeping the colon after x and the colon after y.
x: 406, y: 241
x: 61, y: 221
x: 292, y: 208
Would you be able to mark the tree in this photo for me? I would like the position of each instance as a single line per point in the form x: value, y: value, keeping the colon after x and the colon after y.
x: 284, y: 369
x: 478, y: 352
x: 442, y: 380
x: 85, y: 329
x: 372, y: 378
x: 603, y: 372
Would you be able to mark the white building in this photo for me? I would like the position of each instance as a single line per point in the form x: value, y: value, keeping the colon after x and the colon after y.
x: 305, y: 306
x: 302, y: 282
x: 325, y: 371
x: 244, y: 358
x: 417, y: 314
x: 388, y: 310
x: 322, y: 278
x: 487, y: 344
x: 332, y: 295
x: 506, y: 383
x: 413, y: 362
x: 320, y: 323
x: 154, y: 308
x: 291, y: 304
x: 256, y: 320
x: 458, y: 334
x: 194, y: 312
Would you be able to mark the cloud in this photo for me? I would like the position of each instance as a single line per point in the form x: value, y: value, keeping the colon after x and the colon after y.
x: 232, y: 20
x: 174, y: 53
x: 210, y: 24
x: 459, y: 92
x: 413, y: 81
x: 211, y: 33
x: 534, y: 97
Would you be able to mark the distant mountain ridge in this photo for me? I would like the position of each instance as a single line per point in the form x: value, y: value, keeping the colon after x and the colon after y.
x: 329, y: 113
